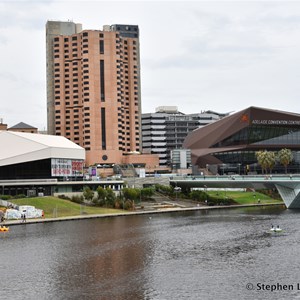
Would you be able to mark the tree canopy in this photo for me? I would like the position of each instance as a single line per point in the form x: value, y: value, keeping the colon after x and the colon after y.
x: 285, y: 157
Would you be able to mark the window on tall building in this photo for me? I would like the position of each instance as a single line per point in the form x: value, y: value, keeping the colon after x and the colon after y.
x: 103, y: 128
x: 102, y: 81
x: 101, y: 46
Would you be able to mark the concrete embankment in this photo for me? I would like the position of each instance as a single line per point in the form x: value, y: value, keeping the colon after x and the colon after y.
x: 137, y: 212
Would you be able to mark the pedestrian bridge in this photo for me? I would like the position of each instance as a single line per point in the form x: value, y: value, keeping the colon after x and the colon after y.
x: 288, y: 186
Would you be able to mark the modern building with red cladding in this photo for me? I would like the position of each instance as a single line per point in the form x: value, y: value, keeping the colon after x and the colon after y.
x: 230, y: 144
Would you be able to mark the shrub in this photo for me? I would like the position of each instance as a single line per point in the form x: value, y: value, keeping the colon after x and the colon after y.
x: 198, y: 195
x: 77, y: 199
x: 118, y: 204
x: 19, y: 196
x: 219, y: 201
x: 130, y: 193
x: 64, y: 197
x: 88, y: 194
x: 129, y: 205
x: 102, y: 193
x: 110, y: 197
x: 146, y: 193
x: 5, y: 197
x: 164, y: 189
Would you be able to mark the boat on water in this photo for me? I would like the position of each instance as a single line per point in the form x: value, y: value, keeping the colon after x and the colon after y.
x: 275, y: 229
x: 4, y: 229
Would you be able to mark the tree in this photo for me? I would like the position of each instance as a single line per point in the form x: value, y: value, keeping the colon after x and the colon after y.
x: 285, y: 157
x: 266, y: 159
x: 88, y: 194
x: 131, y: 194
x: 101, y: 193
x: 110, y: 197
x: 147, y: 193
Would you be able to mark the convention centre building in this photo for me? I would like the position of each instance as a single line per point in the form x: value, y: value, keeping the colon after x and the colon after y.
x: 229, y: 145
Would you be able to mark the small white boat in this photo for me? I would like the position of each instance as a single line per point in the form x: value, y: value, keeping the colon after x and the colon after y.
x: 275, y: 229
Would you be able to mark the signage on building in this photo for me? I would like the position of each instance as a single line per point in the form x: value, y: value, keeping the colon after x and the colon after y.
x: 276, y: 122
x: 66, y: 167
x: 93, y: 171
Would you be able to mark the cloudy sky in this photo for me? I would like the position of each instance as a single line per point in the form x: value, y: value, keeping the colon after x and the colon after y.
x: 200, y: 55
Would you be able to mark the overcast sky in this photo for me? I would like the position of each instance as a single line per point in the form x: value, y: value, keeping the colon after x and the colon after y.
x: 201, y: 55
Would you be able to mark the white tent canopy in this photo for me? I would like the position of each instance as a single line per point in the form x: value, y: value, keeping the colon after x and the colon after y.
x: 20, y: 147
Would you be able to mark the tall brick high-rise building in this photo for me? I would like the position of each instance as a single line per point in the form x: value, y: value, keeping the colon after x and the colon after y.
x: 93, y: 88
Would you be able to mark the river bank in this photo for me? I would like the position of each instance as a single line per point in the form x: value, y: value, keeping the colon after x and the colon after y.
x: 130, y: 213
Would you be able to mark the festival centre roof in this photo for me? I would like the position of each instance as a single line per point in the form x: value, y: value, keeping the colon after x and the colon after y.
x: 20, y: 147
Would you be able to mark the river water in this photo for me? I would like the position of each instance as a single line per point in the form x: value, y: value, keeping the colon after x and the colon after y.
x: 213, y: 254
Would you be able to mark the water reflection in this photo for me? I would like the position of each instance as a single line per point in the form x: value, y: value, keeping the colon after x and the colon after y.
x: 192, y: 255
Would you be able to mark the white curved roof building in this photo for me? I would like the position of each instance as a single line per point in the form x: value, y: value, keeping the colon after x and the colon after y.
x: 24, y: 153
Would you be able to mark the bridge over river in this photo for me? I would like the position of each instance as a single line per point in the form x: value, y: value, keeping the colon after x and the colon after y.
x: 288, y: 186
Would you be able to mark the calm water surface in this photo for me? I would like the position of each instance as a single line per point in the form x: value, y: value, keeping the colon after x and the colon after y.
x: 196, y: 255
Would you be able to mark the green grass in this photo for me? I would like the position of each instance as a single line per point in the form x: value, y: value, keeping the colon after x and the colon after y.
x: 64, y: 208
x: 245, y: 197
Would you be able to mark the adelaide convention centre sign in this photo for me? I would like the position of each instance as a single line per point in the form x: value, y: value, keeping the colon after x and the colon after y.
x: 276, y: 122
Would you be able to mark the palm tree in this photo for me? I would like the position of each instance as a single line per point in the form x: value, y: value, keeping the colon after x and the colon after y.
x: 285, y: 157
x: 266, y: 159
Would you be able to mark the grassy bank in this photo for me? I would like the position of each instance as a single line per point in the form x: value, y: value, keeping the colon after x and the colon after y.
x: 54, y: 207
x: 244, y: 197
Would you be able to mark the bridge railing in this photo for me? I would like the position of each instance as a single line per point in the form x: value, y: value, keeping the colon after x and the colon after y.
x: 238, y: 177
